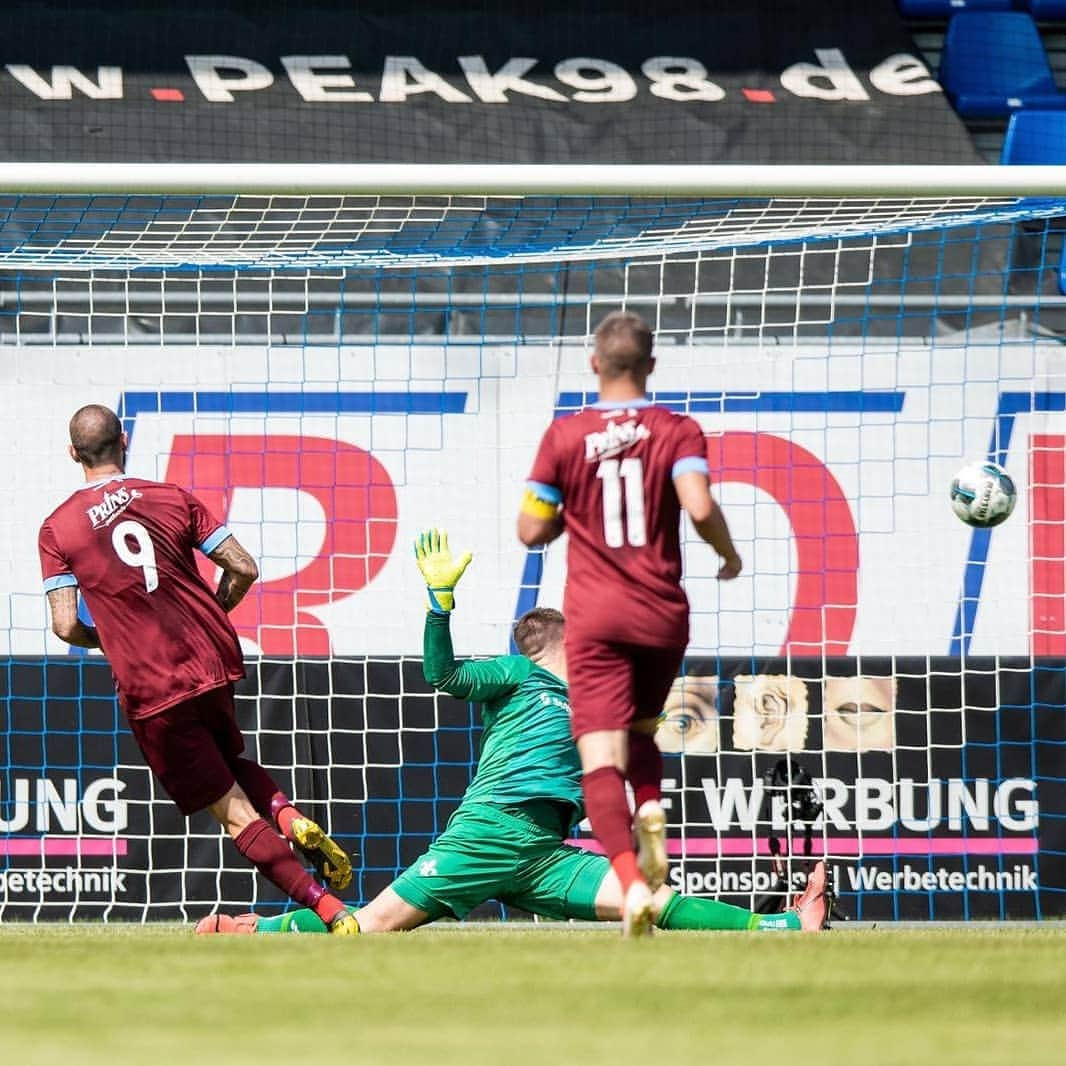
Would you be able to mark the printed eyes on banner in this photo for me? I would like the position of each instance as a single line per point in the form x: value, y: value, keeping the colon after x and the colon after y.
x: 356, y: 497
x: 689, y: 720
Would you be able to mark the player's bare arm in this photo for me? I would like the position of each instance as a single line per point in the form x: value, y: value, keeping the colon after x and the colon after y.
x: 693, y: 490
x: 239, y: 572
x: 533, y: 531
x: 66, y: 624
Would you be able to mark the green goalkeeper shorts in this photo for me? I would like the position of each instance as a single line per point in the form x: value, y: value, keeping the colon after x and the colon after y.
x: 488, y: 853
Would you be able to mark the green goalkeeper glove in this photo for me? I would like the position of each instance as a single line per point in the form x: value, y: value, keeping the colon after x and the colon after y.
x: 440, y: 570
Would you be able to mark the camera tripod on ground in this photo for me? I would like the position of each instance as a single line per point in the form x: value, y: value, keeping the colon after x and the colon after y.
x: 787, y: 779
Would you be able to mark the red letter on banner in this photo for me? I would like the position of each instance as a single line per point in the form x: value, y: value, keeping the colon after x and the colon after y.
x: 1047, y: 542
x: 353, y: 490
x: 827, y: 548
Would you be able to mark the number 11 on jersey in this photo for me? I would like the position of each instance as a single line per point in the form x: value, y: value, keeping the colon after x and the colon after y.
x: 614, y: 473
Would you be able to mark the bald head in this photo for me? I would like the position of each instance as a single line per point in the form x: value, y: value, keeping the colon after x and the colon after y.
x: 623, y: 346
x: 96, y: 437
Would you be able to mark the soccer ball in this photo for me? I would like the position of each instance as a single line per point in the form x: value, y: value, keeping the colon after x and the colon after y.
x: 983, y: 494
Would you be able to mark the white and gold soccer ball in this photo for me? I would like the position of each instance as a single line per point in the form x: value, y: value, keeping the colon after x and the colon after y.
x: 983, y: 494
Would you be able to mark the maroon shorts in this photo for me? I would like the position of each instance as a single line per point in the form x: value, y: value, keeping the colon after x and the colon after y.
x: 191, y: 746
x: 614, y: 684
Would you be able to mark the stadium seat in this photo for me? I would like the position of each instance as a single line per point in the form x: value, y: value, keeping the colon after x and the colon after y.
x: 1039, y: 137
x: 942, y: 9
x: 994, y: 63
x: 1035, y: 137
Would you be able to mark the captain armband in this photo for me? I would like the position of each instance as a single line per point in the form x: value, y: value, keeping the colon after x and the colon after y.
x: 536, y: 506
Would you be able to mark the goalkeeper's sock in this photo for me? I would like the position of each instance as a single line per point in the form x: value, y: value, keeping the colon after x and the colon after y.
x: 645, y: 769
x: 274, y: 859
x: 301, y: 921
x: 691, y: 912
x: 608, y: 811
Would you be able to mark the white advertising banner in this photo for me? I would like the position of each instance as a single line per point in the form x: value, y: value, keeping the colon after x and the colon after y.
x: 832, y: 463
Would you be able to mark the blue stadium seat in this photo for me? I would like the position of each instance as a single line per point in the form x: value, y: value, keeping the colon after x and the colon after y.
x: 942, y: 9
x: 1038, y: 137
x: 1045, y: 9
x: 1035, y: 137
x: 994, y: 63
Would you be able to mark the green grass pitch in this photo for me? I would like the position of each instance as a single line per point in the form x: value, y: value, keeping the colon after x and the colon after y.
x: 514, y: 995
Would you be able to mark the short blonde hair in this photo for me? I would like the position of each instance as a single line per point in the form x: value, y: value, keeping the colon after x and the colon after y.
x: 623, y: 344
x: 537, y: 630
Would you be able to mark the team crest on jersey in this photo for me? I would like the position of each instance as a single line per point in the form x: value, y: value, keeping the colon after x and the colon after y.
x: 615, y: 438
x: 111, y: 506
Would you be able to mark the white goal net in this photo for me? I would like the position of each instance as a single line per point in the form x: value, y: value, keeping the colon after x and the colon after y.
x: 331, y: 372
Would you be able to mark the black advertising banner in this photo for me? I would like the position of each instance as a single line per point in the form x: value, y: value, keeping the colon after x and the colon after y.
x: 956, y: 807
x: 86, y: 833
x: 749, y: 81
x: 943, y: 785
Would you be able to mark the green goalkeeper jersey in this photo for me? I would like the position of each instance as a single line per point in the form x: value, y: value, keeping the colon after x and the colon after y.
x: 527, y: 752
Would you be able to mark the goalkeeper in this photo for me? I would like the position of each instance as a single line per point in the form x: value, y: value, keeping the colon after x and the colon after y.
x: 506, y: 841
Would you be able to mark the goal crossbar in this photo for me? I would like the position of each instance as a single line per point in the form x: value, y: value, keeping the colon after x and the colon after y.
x: 530, y: 180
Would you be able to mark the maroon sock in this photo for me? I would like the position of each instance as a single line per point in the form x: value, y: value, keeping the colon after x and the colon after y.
x: 273, y: 858
x: 645, y: 771
x: 258, y: 785
x: 608, y: 809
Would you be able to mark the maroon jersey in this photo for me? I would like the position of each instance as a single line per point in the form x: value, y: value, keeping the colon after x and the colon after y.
x: 127, y: 543
x: 612, y: 467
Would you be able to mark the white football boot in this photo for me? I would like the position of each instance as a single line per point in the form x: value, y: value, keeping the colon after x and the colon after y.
x: 649, y: 826
x: 637, y: 917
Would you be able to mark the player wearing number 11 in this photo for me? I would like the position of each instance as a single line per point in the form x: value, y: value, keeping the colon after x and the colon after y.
x: 616, y: 476
x: 127, y: 543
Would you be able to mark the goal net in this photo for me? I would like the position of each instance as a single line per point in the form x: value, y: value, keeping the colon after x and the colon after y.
x: 332, y: 371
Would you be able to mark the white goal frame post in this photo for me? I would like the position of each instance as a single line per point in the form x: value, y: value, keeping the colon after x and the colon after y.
x: 477, y: 179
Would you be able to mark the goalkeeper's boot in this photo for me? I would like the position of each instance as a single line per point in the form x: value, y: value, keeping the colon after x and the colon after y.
x: 227, y: 924
x: 329, y: 859
x: 345, y: 924
x: 815, y: 903
x: 650, y: 831
x: 638, y: 918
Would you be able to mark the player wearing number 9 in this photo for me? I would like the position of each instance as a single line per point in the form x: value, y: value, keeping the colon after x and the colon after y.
x: 617, y: 475
x: 127, y: 544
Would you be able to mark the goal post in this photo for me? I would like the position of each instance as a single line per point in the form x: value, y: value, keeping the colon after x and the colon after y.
x: 333, y: 357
